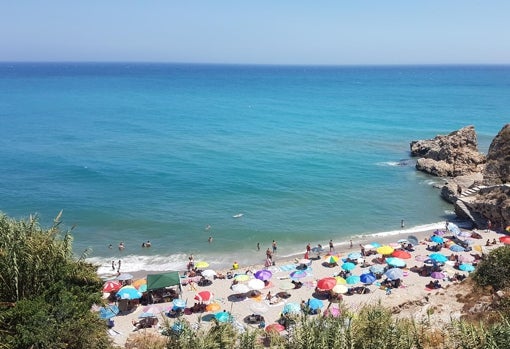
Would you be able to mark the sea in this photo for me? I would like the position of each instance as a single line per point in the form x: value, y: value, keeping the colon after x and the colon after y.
x: 212, y: 160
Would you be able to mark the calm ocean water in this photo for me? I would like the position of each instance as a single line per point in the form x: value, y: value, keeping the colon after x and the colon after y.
x: 136, y: 152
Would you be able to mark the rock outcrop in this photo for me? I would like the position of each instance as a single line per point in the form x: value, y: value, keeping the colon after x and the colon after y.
x: 453, y: 155
x: 480, y: 187
x: 497, y: 168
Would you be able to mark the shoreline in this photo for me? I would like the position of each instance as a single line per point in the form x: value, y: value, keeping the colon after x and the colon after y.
x: 412, y: 288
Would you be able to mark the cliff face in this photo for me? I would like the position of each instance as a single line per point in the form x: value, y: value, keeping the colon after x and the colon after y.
x: 497, y: 168
x: 456, y: 155
x: 453, y: 155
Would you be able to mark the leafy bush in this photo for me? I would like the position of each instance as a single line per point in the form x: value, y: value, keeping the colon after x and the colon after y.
x: 494, y: 270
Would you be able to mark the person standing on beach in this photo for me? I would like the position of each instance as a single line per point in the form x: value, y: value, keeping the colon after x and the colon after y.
x: 402, y: 224
x: 274, y: 246
x: 258, y: 246
x: 113, y: 265
x: 118, y: 269
x: 350, y: 245
x: 331, y: 246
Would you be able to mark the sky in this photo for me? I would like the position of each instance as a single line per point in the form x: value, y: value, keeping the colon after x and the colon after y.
x: 329, y: 32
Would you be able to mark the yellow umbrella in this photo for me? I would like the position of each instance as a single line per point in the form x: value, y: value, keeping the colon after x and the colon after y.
x: 139, y: 282
x: 201, y: 265
x: 385, y: 250
x: 340, y: 280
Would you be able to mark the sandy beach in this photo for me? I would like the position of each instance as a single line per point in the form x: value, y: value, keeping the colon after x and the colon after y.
x: 410, y: 299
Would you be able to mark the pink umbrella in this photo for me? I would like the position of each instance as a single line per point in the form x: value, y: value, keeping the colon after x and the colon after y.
x: 332, y: 311
x: 421, y: 258
x: 275, y: 328
x: 466, y: 258
x: 203, y: 296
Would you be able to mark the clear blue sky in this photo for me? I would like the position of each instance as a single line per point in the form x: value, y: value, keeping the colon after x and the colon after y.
x: 258, y: 31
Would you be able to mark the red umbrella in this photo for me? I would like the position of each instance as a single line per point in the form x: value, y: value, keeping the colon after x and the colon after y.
x: 204, y: 296
x: 326, y: 284
x: 111, y: 286
x: 275, y: 328
x: 505, y: 240
x: 401, y: 254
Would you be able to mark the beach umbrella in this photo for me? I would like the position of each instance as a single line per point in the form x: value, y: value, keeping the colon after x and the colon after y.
x: 413, y: 240
x: 394, y: 273
x: 401, y: 254
x: 508, y: 229
x: 263, y: 274
x: 438, y: 257
x: 298, y: 274
x: 352, y: 280
x: 453, y: 228
x: 201, y: 265
x: 505, y: 240
x: 142, y: 288
x: 437, y: 239
x: 385, y: 250
x: 421, y: 258
x: 241, y: 277
x: 326, y: 284
x: 394, y: 245
x: 402, y: 241
x: 139, y: 282
x: 179, y: 303
x: 331, y: 259
x: 240, y: 288
x: 375, y: 244
x: 369, y: 247
x: 109, y: 311
x: 340, y: 280
x: 286, y: 285
x: 466, y: 258
x: 332, y: 311
x: 395, y: 262
x: 437, y: 275
x: 291, y: 308
x: 465, y: 234
x: 467, y: 267
x: 354, y: 255
x: 256, y: 284
x: 439, y: 232
x: 209, y: 273
x: 150, y: 311
x: 275, y: 328
x: 223, y: 316
x: 456, y: 248
x: 315, y: 303
x: 340, y: 289
x: 111, y: 286
x: 304, y: 261
x: 204, y: 296
x: 348, y: 266
x: 212, y: 307
x: 259, y: 307
x: 377, y: 268
x: 124, y: 277
x: 128, y: 292
x: 367, y: 278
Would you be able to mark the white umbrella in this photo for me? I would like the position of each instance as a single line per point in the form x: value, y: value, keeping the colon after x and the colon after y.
x: 240, y: 288
x: 259, y: 307
x: 256, y: 284
x: 209, y: 273
x: 341, y: 289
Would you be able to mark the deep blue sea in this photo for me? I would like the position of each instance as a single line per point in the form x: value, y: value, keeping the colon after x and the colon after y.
x: 136, y: 152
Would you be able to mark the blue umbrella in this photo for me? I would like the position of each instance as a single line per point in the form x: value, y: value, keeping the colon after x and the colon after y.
x: 437, y: 239
x: 108, y: 312
x: 223, y: 316
x: 375, y: 244
x: 353, y: 279
x: 348, y: 266
x: 438, y: 257
x: 395, y: 262
x: 413, y: 240
x: 179, y: 303
x: 128, y: 292
x: 315, y: 303
x: 367, y: 278
x: 298, y: 274
x: 453, y: 228
x: 377, y: 269
x: 394, y: 273
x: 456, y: 248
x: 467, y: 267
x: 354, y: 255
x: 291, y: 308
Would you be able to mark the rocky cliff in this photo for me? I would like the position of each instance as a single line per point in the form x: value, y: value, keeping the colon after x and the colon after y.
x: 453, y: 155
x: 480, y: 187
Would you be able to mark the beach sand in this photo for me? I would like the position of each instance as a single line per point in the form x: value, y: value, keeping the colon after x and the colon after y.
x: 411, y: 299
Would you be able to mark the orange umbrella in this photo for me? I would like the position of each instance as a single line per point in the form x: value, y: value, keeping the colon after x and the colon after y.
x: 212, y: 307
x: 401, y: 254
x: 326, y: 283
x: 139, y: 282
x: 275, y: 328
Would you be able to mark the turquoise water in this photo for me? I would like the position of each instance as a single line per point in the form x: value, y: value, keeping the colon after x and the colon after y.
x: 136, y: 152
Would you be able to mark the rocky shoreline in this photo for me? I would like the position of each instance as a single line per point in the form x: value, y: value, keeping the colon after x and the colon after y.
x: 478, y: 185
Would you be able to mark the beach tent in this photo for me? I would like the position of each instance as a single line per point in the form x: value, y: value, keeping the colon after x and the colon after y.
x: 155, y: 281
